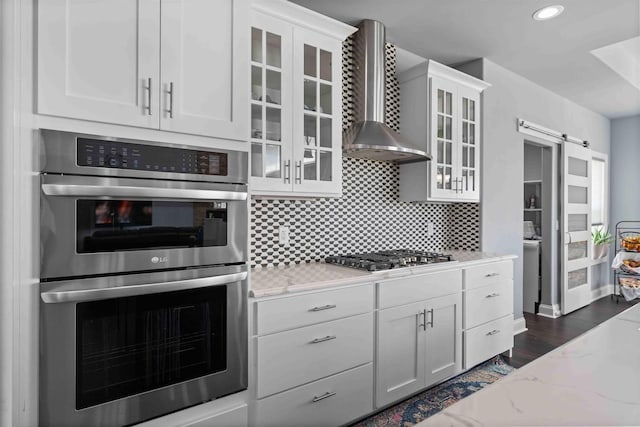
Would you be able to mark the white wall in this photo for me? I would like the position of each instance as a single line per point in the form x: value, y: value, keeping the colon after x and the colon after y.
x: 624, y: 164
x: 511, y: 96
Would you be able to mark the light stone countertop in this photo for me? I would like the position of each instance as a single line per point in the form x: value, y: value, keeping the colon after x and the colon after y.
x: 304, y: 277
x: 592, y: 380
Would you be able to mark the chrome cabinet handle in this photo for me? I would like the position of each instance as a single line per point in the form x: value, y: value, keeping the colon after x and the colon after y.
x: 170, y: 92
x: 493, y: 295
x: 324, y: 396
x: 430, y: 323
x: 287, y: 172
x: 456, y: 189
x: 422, y: 314
x: 324, y: 307
x: 299, y: 172
x: 495, y: 331
x: 327, y: 338
x: 148, y: 89
x: 491, y: 274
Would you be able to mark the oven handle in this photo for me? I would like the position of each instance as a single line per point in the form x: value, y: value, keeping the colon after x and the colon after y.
x: 133, y: 290
x: 84, y: 190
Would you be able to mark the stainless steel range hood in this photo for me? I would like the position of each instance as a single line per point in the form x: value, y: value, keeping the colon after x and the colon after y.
x: 369, y: 137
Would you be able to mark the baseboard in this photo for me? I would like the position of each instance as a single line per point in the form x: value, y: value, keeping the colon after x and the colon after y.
x: 551, y: 311
x: 602, y: 291
x: 519, y: 326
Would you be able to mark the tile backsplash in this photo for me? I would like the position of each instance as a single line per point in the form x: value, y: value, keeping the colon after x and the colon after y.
x: 368, y: 217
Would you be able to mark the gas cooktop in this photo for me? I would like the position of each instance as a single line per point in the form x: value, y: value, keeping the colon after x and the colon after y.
x: 386, y: 260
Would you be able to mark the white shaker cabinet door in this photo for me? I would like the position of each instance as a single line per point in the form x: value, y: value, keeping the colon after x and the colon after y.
x: 204, y: 67
x: 98, y: 60
x: 400, y: 369
x: 444, y: 338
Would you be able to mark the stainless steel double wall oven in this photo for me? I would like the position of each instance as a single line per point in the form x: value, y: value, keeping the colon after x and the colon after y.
x: 143, y: 278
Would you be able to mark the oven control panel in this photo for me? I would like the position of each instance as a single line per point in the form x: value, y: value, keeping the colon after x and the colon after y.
x: 125, y: 155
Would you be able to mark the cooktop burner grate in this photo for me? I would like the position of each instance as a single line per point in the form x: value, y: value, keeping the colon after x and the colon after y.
x: 386, y: 260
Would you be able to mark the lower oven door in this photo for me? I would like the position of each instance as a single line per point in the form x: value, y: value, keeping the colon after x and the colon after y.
x: 103, y: 225
x: 124, y: 349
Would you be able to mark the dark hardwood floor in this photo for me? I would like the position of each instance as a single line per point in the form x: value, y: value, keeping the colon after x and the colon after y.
x: 544, y: 334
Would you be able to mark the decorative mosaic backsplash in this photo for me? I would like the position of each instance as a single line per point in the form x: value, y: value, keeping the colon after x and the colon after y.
x: 368, y: 216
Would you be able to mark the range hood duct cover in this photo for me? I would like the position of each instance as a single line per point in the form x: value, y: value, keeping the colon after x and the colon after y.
x: 369, y: 137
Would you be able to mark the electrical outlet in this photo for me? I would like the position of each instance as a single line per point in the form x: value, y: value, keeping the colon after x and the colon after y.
x: 283, y: 236
x: 430, y: 229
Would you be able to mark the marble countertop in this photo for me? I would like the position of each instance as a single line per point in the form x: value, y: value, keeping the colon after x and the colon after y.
x: 591, y: 380
x: 303, y: 277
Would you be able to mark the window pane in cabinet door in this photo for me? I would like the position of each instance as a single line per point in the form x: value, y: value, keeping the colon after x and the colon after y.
x: 440, y: 177
x: 274, y: 88
x: 472, y: 180
x: 256, y: 82
x: 325, y: 65
x: 440, y: 129
x: 325, y: 98
x: 472, y: 110
x: 440, y: 156
x: 256, y: 121
x: 472, y: 157
x: 310, y: 61
x: 325, y: 133
x: 440, y: 101
x: 448, y: 159
x: 309, y: 163
x: 448, y: 128
x: 256, y: 45
x: 447, y: 178
x: 465, y: 180
x: 273, y: 124
x: 310, y: 98
x: 256, y: 159
x: 310, y: 138
x: 465, y: 156
x: 465, y: 132
x: 325, y: 166
x: 472, y: 133
x: 465, y: 107
x: 448, y: 104
x: 274, y: 50
x: 272, y: 161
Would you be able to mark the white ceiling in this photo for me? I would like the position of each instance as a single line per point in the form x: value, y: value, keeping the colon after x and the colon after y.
x: 555, y: 54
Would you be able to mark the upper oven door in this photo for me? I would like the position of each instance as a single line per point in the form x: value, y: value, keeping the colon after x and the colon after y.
x: 101, y: 225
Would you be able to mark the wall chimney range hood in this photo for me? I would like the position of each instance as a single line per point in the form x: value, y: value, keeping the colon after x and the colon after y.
x: 369, y: 137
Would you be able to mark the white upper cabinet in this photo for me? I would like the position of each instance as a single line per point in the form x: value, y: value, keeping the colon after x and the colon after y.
x: 296, y: 101
x: 449, y: 102
x: 177, y: 65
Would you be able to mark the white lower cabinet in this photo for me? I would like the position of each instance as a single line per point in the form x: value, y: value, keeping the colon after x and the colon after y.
x: 332, y: 401
x: 419, y: 344
x: 485, y: 341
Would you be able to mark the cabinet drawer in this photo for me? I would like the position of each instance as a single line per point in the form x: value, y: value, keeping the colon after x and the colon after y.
x: 487, y: 303
x: 349, y: 395
x: 289, y: 359
x: 487, y: 274
x: 405, y: 290
x: 485, y: 341
x: 302, y: 310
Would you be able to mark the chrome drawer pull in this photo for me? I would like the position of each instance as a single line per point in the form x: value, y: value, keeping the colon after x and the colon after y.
x: 423, y: 325
x: 324, y: 307
x: 491, y: 274
x: 327, y: 338
x: 495, y: 331
x: 324, y: 396
x: 493, y: 295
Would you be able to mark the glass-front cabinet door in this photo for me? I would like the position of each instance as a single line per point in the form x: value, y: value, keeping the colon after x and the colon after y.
x: 317, y: 140
x: 469, y: 134
x: 271, y: 162
x: 445, y: 182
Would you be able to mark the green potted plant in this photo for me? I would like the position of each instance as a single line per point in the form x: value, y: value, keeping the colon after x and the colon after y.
x: 601, y: 240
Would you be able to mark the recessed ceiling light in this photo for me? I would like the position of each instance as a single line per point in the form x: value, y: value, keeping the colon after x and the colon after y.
x: 548, y: 12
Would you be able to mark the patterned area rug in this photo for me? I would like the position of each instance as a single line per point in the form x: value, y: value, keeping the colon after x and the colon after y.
x: 432, y: 401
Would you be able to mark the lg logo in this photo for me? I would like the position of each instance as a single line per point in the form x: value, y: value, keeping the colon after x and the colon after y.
x: 159, y: 259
